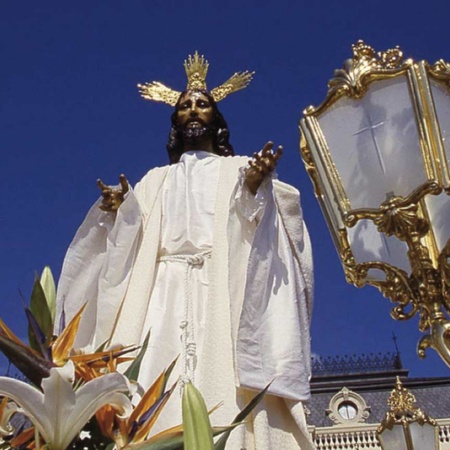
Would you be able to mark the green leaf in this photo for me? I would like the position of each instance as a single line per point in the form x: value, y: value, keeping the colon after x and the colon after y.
x: 37, y: 338
x: 39, y: 309
x: 220, y: 444
x: 168, y: 372
x: 49, y: 288
x: 132, y: 372
x: 172, y: 441
x: 197, y: 427
x: 167, y: 443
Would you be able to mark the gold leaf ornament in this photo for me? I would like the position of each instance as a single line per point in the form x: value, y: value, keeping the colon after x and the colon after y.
x: 352, y: 77
x: 240, y: 80
x: 158, y: 92
x: 196, y: 68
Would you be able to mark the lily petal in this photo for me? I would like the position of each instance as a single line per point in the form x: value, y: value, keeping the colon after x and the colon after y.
x: 7, y: 409
x: 60, y: 412
x: 29, y: 399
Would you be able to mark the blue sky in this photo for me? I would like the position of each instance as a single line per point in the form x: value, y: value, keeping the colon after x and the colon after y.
x: 70, y: 113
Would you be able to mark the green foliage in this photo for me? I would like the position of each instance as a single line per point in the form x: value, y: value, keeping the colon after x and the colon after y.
x: 196, y: 424
x: 220, y: 444
x: 196, y: 433
x: 49, y: 288
x: 167, y: 443
x: 39, y: 308
x: 133, y: 371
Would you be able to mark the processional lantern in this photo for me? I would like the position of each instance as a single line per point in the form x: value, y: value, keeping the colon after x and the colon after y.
x: 378, y: 152
x: 405, y: 426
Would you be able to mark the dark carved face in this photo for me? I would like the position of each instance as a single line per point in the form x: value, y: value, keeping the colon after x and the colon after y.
x: 194, y: 110
x: 197, y: 124
x: 195, y: 115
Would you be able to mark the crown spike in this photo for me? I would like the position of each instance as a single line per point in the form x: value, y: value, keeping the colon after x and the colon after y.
x: 196, y: 68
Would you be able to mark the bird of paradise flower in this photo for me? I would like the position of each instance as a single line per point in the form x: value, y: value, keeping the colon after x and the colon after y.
x: 70, y: 392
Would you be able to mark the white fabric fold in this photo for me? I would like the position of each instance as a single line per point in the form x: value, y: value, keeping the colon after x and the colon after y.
x: 273, y: 336
x: 97, y: 269
x: 251, y: 298
x: 252, y: 206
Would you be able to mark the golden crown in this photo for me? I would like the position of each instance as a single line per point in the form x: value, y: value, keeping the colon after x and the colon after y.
x: 196, y: 68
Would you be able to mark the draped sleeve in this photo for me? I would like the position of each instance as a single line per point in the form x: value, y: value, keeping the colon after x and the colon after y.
x: 96, y: 269
x: 273, y: 341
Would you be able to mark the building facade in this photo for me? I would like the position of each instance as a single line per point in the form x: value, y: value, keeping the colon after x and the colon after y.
x: 350, y: 395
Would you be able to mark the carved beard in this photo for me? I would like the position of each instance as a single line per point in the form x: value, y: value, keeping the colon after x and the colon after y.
x: 195, y: 136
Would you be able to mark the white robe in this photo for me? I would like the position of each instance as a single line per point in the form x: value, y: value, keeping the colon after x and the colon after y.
x: 179, y: 259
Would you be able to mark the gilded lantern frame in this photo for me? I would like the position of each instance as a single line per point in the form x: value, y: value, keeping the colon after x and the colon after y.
x: 427, y: 289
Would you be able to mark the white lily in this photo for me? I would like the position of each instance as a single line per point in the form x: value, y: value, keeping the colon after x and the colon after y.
x: 61, y: 412
x: 8, y: 410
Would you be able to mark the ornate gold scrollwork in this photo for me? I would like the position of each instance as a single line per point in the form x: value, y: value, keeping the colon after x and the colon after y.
x: 310, y: 166
x: 397, y: 218
x: 425, y: 290
x: 352, y: 77
x: 439, y: 339
x: 397, y: 288
x: 403, y: 411
x: 444, y: 269
x: 348, y: 261
x: 396, y: 285
x: 422, y: 291
x: 441, y: 70
x: 358, y: 72
x: 395, y: 211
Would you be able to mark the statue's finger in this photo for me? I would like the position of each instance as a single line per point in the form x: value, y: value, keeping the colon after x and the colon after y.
x: 269, y: 165
x: 278, y: 153
x: 101, y: 185
x: 267, y: 147
x: 124, y: 183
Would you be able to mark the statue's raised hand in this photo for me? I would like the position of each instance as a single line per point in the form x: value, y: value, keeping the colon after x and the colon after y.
x: 113, y: 197
x: 262, y: 164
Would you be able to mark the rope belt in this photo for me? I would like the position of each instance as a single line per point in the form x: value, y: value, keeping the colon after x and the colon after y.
x: 189, y: 347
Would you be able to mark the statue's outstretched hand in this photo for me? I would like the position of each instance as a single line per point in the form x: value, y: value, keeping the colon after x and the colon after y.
x: 261, y: 166
x: 113, y: 198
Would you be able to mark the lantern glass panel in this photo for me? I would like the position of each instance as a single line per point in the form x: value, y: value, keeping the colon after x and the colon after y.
x: 368, y: 244
x: 441, y: 98
x: 374, y: 143
x: 423, y: 436
x: 393, y: 439
x: 439, y: 211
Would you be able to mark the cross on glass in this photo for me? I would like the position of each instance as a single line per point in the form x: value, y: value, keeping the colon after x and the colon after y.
x: 371, y: 127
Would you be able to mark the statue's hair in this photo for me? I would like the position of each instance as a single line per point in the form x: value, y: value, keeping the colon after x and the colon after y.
x: 221, y: 134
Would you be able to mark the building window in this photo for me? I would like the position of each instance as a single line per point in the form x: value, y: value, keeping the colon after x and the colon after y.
x: 347, y: 407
